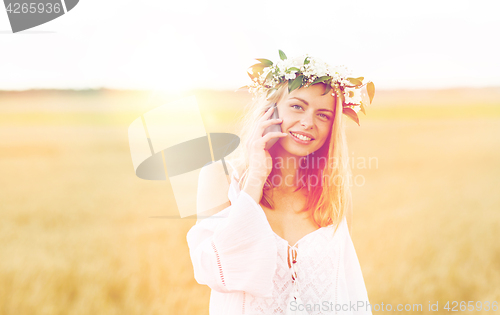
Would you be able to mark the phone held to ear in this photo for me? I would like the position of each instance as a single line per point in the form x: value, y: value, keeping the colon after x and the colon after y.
x: 272, y: 128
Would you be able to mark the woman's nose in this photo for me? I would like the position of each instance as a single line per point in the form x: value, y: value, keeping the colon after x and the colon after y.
x: 307, y: 122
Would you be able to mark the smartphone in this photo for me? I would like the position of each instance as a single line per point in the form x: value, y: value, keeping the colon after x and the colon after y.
x: 273, y: 128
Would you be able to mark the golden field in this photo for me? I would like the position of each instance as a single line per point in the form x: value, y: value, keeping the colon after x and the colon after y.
x: 78, y: 233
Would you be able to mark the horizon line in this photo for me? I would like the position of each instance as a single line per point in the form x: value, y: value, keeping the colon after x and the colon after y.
x: 106, y: 89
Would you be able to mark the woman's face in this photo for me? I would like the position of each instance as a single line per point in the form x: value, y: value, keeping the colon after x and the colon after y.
x: 306, y: 112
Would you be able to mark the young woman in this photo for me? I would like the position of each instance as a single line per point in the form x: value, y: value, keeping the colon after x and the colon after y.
x: 280, y: 244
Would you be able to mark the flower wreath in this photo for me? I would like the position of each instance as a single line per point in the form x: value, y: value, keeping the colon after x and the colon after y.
x: 303, y: 72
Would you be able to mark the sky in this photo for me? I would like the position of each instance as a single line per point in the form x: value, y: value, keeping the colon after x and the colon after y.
x: 181, y: 45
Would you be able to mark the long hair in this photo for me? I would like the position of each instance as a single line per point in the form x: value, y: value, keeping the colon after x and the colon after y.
x: 325, y: 172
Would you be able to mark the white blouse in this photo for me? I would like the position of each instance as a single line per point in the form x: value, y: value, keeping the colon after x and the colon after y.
x: 245, y: 263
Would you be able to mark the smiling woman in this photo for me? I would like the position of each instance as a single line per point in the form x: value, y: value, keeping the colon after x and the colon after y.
x: 308, y: 116
x: 297, y: 192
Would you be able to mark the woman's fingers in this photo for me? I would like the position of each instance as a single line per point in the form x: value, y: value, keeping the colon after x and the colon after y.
x: 256, y: 130
x: 267, y: 114
x: 259, y: 157
x: 261, y: 142
x: 272, y: 135
x: 264, y: 124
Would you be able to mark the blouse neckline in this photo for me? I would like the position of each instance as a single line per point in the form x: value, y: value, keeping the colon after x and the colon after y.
x: 236, y: 178
x: 301, y: 239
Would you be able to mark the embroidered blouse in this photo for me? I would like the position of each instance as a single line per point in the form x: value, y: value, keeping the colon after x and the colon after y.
x: 252, y: 270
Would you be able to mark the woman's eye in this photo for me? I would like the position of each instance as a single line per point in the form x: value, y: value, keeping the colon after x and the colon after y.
x: 297, y: 106
x: 325, y: 116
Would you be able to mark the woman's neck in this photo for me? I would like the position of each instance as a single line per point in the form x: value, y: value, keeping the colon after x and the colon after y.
x: 289, y: 165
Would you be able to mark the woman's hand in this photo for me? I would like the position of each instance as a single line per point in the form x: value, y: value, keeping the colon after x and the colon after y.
x: 260, y: 161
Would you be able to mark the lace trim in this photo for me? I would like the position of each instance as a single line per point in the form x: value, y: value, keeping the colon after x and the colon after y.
x: 219, y: 264
x: 292, y: 264
x: 317, y: 273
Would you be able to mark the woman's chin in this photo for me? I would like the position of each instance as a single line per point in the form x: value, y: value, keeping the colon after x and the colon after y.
x: 292, y: 149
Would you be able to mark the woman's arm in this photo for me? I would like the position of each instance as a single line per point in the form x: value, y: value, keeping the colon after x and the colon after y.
x: 354, y: 278
x: 212, y: 194
x: 234, y: 249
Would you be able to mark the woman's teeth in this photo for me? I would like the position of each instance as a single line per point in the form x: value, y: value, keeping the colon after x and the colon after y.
x: 301, y: 137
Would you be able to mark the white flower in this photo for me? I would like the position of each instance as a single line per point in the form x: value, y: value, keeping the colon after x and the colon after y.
x: 320, y: 70
x: 343, y: 81
x: 319, y: 67
x: 283, y: 65
x: 291, y: 75
x: 298, y: 61
x: 271, y: 82
x: 308, y: 71
x: 355, y: 108
x: 352, y: 96
x: 342, y: 71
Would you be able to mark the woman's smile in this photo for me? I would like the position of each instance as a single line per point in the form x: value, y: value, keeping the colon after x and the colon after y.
x: 303, y: 140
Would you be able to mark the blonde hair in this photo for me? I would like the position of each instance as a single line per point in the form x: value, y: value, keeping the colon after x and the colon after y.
x: 328, y: 198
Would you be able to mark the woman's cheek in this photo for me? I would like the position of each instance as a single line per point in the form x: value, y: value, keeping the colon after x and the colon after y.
x: 284, y: 125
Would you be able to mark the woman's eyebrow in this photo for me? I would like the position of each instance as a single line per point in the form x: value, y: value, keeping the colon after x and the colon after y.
x: 305, y: 102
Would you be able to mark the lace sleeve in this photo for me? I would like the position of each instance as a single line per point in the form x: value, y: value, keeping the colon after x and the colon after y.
x: 235, y: 250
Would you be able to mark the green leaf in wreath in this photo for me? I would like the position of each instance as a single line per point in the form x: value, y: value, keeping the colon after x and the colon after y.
x: 355, y: 81
x: 370, y: 88
x: 257, y: 69
x: 251, y: 75
x: 327, y: 89
x: 271, y: 91
x: 320, y: 79
x: 292, y: 69
x: 282, y: 55
x: 360, y: 79
x: 265, y: 62
x: 306, y: 61
x: 269, y: 76
x: 295, y: 83
x: 349, y: 112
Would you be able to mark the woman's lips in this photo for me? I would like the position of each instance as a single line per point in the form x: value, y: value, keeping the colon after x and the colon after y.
x: 299, y: 140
